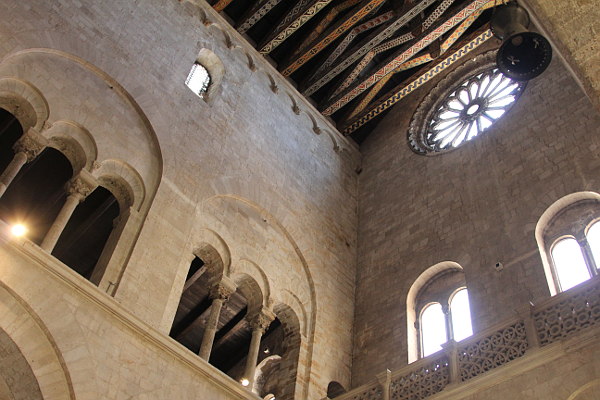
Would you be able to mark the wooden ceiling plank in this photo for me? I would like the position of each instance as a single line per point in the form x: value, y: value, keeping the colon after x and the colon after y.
x: 390, y: 44
x: 379, y: 36
x: 370, y: 24
x: 404, y: 56
x: 401, y: 91
x: 325, y: 22
x: 256, y: 14
x: 364, y: 103
x: 221, y: 4
x: 338, y: 30
x: 300, y: 14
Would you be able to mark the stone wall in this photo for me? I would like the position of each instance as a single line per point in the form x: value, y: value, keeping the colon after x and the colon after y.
x: 254, y: 171
x: 475, y: 206
x: 573, y: 27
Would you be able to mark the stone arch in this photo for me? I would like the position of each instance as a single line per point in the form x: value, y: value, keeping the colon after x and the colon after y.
x: 251, y: 268
x: 251, y: 290
x: 411, y: 300
x: 589, y: 391
x: 25, y: 102
x: 20, y: 325
x: 88, y: 77
x: 212, y: 260
x: 289, y: 386
x: 544, y: 221
x: 75, y: 142
x: 123, y: 181
x: 264, y: 370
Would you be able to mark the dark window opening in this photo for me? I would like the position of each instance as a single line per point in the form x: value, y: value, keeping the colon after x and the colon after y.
x: 81, y: 243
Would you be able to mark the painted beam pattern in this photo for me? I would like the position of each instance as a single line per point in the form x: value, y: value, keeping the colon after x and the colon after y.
x: 417, y: 61
x: 388, y: 68
x: 390, y: 44
x: 379, y: 85
x: 363, y: 11
x: 221, y: 4
x: 310, y: 12
x: 260, y: 10
x: 379, y: 36
x: 324, y: 24
x: 370, y: 24
x: 399, y: 93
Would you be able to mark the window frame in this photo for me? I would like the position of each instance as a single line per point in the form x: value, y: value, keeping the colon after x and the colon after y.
x: 571, y: 217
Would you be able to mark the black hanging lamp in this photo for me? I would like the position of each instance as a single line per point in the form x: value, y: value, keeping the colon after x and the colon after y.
x: 523, y: 55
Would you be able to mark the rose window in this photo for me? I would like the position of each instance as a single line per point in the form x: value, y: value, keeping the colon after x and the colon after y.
x: 472, y: 108
x: 452, y: 115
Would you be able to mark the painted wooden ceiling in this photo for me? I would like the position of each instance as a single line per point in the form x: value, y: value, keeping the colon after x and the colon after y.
x: 356, y: 59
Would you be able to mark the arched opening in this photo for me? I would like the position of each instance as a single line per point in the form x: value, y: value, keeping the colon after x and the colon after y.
x: 17, y: 380
x: 429, y: 306
x: 37, y: 193
x: 568, y: 238
x: 85, y: 235
x: 335, y: 389
x: 10, y: 131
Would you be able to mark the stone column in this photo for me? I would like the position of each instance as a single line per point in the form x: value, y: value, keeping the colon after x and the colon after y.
x: 385, y: 380
x: 588, y: 256
x: 259, y: 324
x: 78, y: 189
x: 448, y: 320
x: 26, y: 150
x: 220, y: 294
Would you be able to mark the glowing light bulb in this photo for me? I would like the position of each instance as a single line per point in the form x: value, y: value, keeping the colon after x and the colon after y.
x: 245, y: 382
x: 18, y: 230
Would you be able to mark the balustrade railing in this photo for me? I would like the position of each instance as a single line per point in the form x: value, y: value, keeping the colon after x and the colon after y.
x: 552, y: 320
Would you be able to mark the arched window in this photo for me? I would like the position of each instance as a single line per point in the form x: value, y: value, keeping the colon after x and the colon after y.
x: 569, y: 237
x: 442, y: 309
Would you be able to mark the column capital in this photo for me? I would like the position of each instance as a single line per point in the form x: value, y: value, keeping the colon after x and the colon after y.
x: 261, y: 320
x: 32, y: 143
x: 82, y: 185
x: 222, y: 290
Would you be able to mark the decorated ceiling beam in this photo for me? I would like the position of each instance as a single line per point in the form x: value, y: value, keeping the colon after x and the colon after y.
x: 324, y: 24
x: 416, y: 62
x: 300, y: 14
x: 256, y: 13
x: 339, y: 29
x: 221, y: 4
x: 403, y: 56
x: 370, y: 24
x: 439, y: 10
x: 401, y: 91
x: 383, y: 33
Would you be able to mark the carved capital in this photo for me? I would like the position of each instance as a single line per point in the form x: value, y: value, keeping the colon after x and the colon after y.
x: 82, y: 185
x: 31, y: 144
x: 261, y: 320
x: 222, y: 290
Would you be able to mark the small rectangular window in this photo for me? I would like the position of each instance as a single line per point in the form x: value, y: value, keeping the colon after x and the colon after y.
x: 198, y: 79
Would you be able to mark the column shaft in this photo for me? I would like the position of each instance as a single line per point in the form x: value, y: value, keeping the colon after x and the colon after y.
x: 12, y: 170
x: 211, y: 329
x: 61, y: 221
x: 253, y: 355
